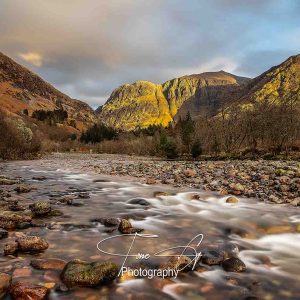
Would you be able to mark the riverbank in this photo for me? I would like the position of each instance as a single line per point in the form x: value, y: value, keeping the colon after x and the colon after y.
x: 271, y: 181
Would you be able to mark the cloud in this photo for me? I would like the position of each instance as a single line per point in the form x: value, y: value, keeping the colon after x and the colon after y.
x: 87, y: 48
x: 32, y: 57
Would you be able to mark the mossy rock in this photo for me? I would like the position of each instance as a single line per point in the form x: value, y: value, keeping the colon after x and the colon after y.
x: 81, y: 273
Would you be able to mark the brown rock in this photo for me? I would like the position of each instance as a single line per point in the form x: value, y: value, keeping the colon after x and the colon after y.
x: 32, y: 244
x: 48, y: 264
x: 10, y: 248
x: 190, y: 173
x: 24, y: 291
x: 5, y: 280
x: 232, y: 200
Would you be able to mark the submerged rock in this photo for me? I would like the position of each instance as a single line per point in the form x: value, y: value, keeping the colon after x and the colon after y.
x: 25, y: 291
x: 48, y: 264
x: 7, y: 181
x: 12, y: 220
x: 5, y: 280
x: 234, y: 264
x: 10, y: 248
x: 108, y: 222
x: 23, y: 188
x: 81, y: 273
x: 139, y: 201
x: 181, y: 263
x: 213, y: 257
x: 15, y: 206
x: 40, y: 208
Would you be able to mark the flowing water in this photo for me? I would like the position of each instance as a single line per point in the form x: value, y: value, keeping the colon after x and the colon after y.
x: 265, y: 234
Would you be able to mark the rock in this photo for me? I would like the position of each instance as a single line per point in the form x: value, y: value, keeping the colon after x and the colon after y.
x: 232, y: 200
x: 275, y: 199
x: 139, y: 201
x: 40, y: 208
x: 84, y: 195
x: 23, y: 189
x: 124, y: 225
x: 80, y: 273
x: 108, y: 222
x: 182, y: 262
x: 48, y: 264
x: 233, y: 264
x: 238, y: 187
x: 296, y: 201
x: 21, y: 272
x: 5, y: 280
x: 24, y: 225
x: 213, y: 257
x: 190, y: 173
x: 7, y: 181
x: 25, y: 291
x: 10, y: 248
x: 11, y: 220
x: 3, y: 233
x: 32, y: 244
x: 14, y: 206
x: 150, y: 181
x: 160, y: 194
x: 39, y: 178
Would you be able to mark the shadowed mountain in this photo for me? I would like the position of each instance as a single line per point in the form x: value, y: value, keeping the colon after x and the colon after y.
x: 22, y: 90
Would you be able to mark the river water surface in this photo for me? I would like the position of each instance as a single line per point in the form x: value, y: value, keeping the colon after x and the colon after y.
x: 265, y: 234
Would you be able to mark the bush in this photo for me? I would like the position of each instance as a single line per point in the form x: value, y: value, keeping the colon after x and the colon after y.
x: 98, y: 133
x: 17, y: 140
x: 196, y: 149
x: 168, y: 146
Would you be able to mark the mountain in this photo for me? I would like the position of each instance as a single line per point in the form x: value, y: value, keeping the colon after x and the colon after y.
x: 21, y: 89
x: 144, y: 103
x: 279, y: 84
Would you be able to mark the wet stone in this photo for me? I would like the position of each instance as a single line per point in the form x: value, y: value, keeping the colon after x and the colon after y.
x: 139, y: 201
x: 10, y: 248
x: 234, y: 264
x: 23, y: 188
x: 32, y: 244
x: 40, y: 208
x: 25, y: 291
x: 212, y: 257
x: 48, y: 264
x: 81, y: 273
x: 5, y: 280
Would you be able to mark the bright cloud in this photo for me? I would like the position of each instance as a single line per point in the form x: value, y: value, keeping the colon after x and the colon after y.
x: 33, y: 58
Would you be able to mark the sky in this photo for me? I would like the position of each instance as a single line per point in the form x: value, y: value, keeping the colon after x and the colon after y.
x: 87, y: 48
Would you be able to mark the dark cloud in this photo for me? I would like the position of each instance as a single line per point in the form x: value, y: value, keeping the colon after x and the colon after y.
x: 87, y: 48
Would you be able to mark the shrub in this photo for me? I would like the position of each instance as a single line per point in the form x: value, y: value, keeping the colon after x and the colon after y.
x: 17, y: 140
x: 196, y: 149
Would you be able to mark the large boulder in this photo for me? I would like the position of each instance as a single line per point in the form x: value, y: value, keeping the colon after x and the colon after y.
x: 81, y: 273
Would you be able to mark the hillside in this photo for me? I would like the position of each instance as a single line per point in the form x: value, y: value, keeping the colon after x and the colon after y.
x: 21, y: 89
x: 144, y: 103
x: 279, y: 84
